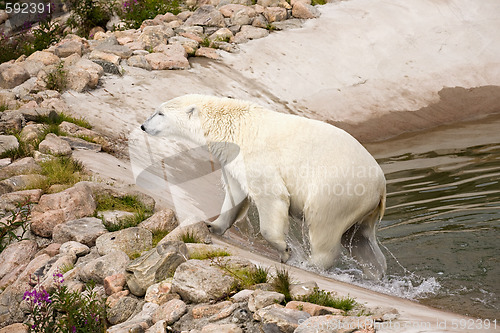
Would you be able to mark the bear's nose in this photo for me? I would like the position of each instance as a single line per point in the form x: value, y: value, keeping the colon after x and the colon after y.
x: 143, y: 128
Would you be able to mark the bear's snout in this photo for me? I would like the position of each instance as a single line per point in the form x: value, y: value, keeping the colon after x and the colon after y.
x: 143, y: 128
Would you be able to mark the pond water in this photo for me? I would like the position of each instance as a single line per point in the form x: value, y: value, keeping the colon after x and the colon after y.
x: 440, y: 232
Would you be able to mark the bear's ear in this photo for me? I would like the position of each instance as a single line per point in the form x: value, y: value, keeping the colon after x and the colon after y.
x: 191, y: 110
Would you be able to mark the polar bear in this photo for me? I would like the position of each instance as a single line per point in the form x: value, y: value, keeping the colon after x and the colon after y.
x: 286, y: 164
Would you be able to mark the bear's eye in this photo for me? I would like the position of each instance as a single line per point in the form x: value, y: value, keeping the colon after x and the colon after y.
x: 160, y: 114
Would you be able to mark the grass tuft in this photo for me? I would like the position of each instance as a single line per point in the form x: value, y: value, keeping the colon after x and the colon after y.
x: 281, y: 283
x: 190, y: 237
x: 55, y: 118
x: 158, y: 235
x: 324, y: 298
x: 202, y: 255
x: 127, y: 203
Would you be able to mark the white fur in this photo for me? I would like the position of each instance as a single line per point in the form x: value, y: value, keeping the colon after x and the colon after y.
x: 287, y: 165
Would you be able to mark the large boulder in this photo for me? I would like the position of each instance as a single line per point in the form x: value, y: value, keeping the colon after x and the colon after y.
x: 52, y: 144
x: 100, y: 268
x: 286, y: 320
x: 199, y: 281
x: 154, y: 35
x: 53, y: 209
x: 207, y: 16
x: 12, y: 75
x: 155, y: 266
x: 16, y: 255
x: 8, y: 142
x: 164, y: 220
x: 85, y: 230
x: 130, y: 240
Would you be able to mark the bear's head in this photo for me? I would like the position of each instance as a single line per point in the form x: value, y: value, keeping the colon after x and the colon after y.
x: 175, y: 119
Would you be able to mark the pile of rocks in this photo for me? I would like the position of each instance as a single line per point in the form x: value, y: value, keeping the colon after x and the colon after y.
x: 164, y: 42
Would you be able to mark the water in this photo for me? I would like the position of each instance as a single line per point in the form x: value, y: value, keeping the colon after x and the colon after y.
x: 440, y: 231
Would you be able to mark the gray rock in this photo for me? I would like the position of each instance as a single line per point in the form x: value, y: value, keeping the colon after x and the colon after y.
x: 24, y: 165
x: 15, y: 255
x: 198, y: 230
x: 75, y: 130
x: 108, y: 61
x: 189, y: 45
x: 198, y: 281
x: 206, y: 15
x: 84, y: 230
x: 12, y: 75
x: 130, y: 241
x: 83, y: 75
x: 300, y: 290
x: 260, y: 21
x: 164, y: 220
x: 46, y: 58
x: 77, y: 143
x: 139, y: 61
x: 32, y: 132
x: 154, y: 35
x: 170, y: 312
x: 33, y: 67
x: 288, y: 24
x: 17, y: 183
x: 75, y: 248
x: 99, y: 268
x: 261, y: 298
x: 10, y: 201
x: 15, y: 328
x: 68, y: 48
x: 287, y: 320
x: 138, y: 323
x: 11, y: 121
x: 249, y: 32
x: 304, y: 11
x: 114, y: 217
x: 159, y: 327
x: 275, y: 14
x: 155, y: 266
x: 122, y: 310
x: 52, y: 144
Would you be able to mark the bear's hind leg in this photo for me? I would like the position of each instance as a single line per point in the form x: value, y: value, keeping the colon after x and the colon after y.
x: 325, y: 247
x: 361, y: 242
x: 273, y: 216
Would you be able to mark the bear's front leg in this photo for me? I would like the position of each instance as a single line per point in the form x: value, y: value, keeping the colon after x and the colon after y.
x: 235, y: 205
x: 273, y: 215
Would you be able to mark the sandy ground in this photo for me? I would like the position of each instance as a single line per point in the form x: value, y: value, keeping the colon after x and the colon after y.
x: 377, y: 69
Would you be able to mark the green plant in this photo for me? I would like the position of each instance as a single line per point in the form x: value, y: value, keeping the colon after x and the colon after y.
x: 202, y: 255
x: 206, y: 42
x: 324, y: 298
x: 190, y: 237
x: 24, y: 149
x: 66, y: 268
x: 245, y: 277
x: 3, y: 107
x: 270, y: 27
x: 64, y: 311
x: 318, y: 2
x: 56, y: 79
x: 134, y: 12
x: 87, y: 14
x: 126, y: 203
x: 281, y: 283
x: 158, y: 235
x: 54, y: 118
x: 16, y: 219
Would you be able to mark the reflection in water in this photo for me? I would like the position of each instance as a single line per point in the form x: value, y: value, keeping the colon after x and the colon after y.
x: 442, y: 221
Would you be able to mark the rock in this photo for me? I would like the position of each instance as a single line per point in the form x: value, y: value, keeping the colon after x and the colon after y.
x: 33, y: 67
x: 17, y: 183
x: 84, y: 230
x: 130, y: 240
x: 8, y: 142
x: 287, y: 320
x: 12, y: 75
x: 15, y: 328
x: 164, y: 220
x: 54, y: 266
x: 75, y: 248
x: 206, y: 15
x: 160, y: 61
x: 75, y: 130
x: 198, y: 230
x: 94, y: 70
x: 110, y: 264
x: 56, y: 104
x: 242, y: 296
x: 114, y: 217
x: 189, y: 45
x: 114, y: 298
x: 228, y: 47
x: 249, y: 32
x: 44, y: 57
x: 288, y: 24
x: 10, y: 201
x: 32, y: 132
x: 68, y: 47
x: 207, y: 310
x: 300, y: 290
x: 208, y: 52
x: 53, y: 209
x: 221, y: 328
x: 223, y: 34
x: 155, y: 35
x: 138, y: 323
x: 275, y: 14
x: 108, y: 61
x: 313, y: 309
x: 121, y: 51
x: 77, y: 143
x: 52, y: 250
x: 114, y: 283
x: 52, y: 144
x: 118, y: 192
x: 198, y: 281
x: 24, y: 165
x: 261, y: 298
x: 170, y: 311
x: 11, y: 121
x: 122, y: 310
x: 304, y: 11
x: 230, y: 9
x: 160, y: 293
x: 139, y: 61
x: 15, y: 255
x: 83, y: 75
x: 340, y: 324
x: 155, y: 266
x: 273, y: 3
